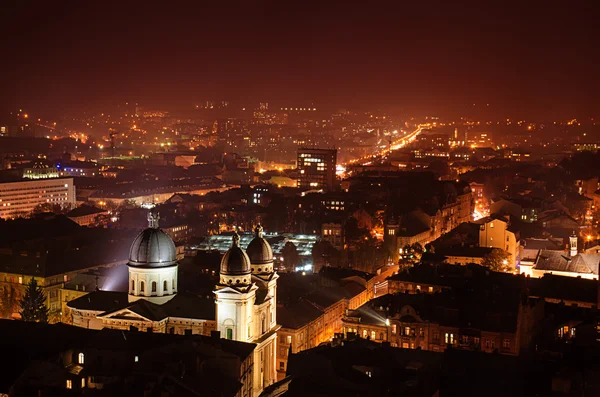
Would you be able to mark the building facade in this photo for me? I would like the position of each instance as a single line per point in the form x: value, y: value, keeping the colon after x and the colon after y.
x: 18, y: 199
x: 243, y: 310
x: 316, y: 169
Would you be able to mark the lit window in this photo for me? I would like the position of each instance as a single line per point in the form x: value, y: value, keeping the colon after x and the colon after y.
x: 136, y: 359
x: 81, y: 358
x: 83, y: 383
x: 69, y: 384
x: 373, y: 335
x: 506, y: 343
x: 393, y: 328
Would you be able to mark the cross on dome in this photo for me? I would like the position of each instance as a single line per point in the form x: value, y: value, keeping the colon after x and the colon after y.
x: 153, y: 219
x: 235, y: 239
x: 259, y: 231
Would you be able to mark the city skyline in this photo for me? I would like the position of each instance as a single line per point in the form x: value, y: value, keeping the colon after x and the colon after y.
x: 431, y: 58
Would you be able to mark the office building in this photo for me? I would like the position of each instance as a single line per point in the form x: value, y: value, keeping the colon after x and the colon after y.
x: 19, y: 198
x: 316, y: 168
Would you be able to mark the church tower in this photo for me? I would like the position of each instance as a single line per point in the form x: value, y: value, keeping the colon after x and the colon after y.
x: 265, y: 310
x: 263, y: 274
x: 573, y: 244
x: 246, y: 298
x: 235, y: 295
x: 152, y: 265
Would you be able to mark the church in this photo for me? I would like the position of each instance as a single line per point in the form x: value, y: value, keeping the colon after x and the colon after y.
x: 244, y: 308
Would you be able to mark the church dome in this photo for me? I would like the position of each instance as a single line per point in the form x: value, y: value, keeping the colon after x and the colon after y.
x: 153, y: 247
x: 235, y: 262
x: 259, y: 250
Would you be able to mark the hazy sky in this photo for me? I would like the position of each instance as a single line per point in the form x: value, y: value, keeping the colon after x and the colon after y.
x: 539, y: 57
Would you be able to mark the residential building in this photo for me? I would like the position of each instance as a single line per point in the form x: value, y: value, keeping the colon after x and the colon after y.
x: 19, y: 198
x: 334, y: 234
x: 316, y: 169
x: 497, y: 232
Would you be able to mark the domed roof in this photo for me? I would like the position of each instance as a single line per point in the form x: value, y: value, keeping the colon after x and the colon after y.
x: 235, y: 262
x: 259, y: 250
x: 153, y: 247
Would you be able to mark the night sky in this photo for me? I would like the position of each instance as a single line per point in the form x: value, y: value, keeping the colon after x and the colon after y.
x: 537, y: 59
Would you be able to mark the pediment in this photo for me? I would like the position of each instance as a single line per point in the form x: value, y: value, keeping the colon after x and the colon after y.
x: 124, y: 314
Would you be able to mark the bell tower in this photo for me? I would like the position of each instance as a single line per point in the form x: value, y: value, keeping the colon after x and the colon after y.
x: 235, y: 294
x: 573, y: 244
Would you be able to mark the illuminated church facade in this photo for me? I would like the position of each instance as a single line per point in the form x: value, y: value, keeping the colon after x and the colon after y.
x: 244, y: 308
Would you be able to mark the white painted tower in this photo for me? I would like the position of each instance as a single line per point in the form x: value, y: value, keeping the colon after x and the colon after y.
x: 152, y: 265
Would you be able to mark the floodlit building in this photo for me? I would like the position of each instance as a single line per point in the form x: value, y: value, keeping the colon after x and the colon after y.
x: 19, y: 198
x: 244, y: 308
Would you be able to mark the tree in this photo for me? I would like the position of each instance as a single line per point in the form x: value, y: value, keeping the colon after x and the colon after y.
x: 127, y: 204
x: 51, y: 207
x: 324, y: 254
x: 497, y: 260
x: 411, y: 254
x: 291, y: 259
x: 33, y: 304
x: 417, y: 250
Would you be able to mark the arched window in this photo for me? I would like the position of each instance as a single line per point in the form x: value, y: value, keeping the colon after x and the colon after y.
x: 141, y: 286
x: 165, y: 287
x: 81, y: 358
x: 154, y: 287
x: 132, y: 285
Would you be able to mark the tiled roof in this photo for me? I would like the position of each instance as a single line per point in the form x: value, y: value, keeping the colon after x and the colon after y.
x: 559, y: 261
x: 297, y: 315
x: 100, y: 301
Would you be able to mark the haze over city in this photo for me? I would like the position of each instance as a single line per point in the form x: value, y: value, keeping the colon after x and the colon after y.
x: 265, y: 199
x: 533, y: 59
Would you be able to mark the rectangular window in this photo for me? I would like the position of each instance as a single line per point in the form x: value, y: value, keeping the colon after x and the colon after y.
x: 69, y: 384
x: 229, y: 333
x: 281, y: 366
x: 393, y: 328
x: 506, y: 344
x: 289, y: 339
x: 406, y: 331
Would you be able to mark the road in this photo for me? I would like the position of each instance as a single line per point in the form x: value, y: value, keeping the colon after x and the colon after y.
x: 395, y: 145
